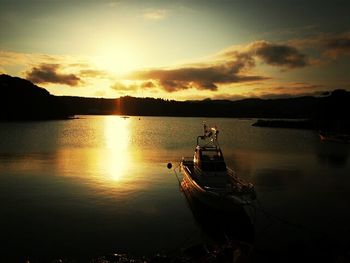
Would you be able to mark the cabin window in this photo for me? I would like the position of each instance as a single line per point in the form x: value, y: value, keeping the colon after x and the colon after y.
x: 212, y: 161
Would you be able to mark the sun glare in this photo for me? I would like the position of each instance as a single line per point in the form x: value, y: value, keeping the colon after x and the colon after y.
x: 116, y: 59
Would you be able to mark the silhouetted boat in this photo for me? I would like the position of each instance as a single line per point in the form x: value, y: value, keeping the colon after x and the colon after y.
x: 225, y: 235
x: 334, y: 137
x: 208, y: 178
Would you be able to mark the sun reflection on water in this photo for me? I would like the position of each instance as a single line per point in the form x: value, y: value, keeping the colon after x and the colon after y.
x: 113, y: 166
x: 117, y: 139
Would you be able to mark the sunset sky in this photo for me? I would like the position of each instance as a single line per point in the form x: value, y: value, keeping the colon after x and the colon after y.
x: 179, y: 50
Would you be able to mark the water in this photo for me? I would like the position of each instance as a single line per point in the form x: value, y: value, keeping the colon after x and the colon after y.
x: 99, y: 184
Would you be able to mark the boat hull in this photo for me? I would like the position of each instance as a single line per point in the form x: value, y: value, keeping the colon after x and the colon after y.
x: 220, y: 224
x: 217, y: 201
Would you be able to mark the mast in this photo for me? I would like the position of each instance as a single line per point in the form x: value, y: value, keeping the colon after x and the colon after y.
x: 211, y: 134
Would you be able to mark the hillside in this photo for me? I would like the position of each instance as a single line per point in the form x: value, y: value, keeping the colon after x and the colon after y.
x: 22, y: 100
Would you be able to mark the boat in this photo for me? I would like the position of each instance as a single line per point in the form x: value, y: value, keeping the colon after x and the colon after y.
x: 208, y: 179
x: 225, y: 234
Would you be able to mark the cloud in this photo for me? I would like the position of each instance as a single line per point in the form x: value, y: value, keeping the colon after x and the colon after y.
x: 288, y: 90
x: 49, y: 73
x: 155, y: 14
x: 334, y: 46
x: 13, y: 59
x: 233, y: 65
x: 119, y: 86
x: 276, y: 91
x: 201, y: 78
x: 278, y: 55
x: 93, y: 73
x: 148, y: 84
x: 44, y: 68
x: 134, y: 86
x: 328, y: 45
x: 281, y: 55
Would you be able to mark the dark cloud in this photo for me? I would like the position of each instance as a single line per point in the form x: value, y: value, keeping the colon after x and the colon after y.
x: 201, y: 78
x: 330, y: 45
x: 48, y: 73
x: 174, y: 85
x: 233, y: 66
x: 148, y: 84
x: 278, y: 55
x: 337, y: 45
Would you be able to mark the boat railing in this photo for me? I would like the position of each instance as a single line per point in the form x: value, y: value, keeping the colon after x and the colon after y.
x: 231, y: 172
x: 238, y: 180
x: 188, y: 170
x: 187, y: 163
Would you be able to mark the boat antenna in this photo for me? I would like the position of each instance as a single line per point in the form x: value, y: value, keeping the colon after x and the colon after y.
x: 215, y: 138
x: 210, y: 133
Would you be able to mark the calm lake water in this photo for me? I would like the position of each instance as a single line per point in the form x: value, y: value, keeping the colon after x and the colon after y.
x: 99, y: 184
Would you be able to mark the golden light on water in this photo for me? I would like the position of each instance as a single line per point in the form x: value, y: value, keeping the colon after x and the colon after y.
x: 112, y: 166
x: 117, y: 139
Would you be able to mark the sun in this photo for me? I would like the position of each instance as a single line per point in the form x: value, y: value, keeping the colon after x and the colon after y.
x: 116, y: 58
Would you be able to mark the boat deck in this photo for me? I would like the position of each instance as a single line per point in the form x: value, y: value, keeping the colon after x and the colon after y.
x: 222, y: 181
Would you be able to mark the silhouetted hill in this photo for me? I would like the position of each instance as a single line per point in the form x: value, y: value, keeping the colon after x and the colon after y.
x: 22, y: 100
x: 327, y: 113
x: 255, y: 108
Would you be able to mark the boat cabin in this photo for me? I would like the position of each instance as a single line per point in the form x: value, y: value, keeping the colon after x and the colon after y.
x: 209, y: 159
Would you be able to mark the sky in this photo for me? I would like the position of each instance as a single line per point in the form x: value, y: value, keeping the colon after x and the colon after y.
x: 182, y: 50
